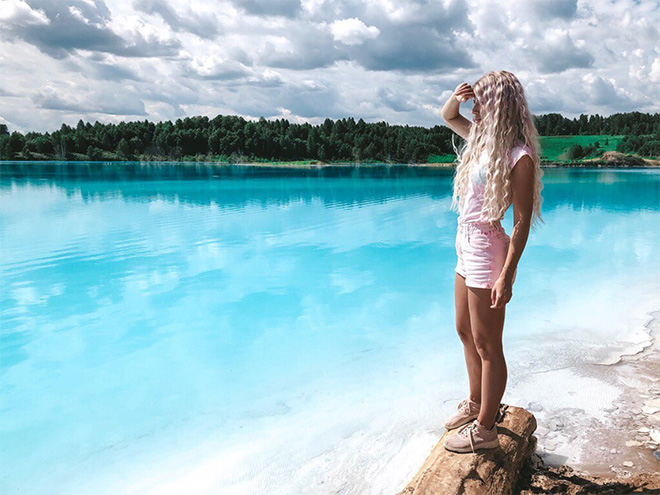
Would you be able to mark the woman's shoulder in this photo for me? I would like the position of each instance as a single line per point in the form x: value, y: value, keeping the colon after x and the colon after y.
x: 519, y: 150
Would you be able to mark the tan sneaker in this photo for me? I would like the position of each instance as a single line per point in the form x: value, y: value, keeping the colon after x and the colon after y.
x: 471, y: 437
x: 467, y: 411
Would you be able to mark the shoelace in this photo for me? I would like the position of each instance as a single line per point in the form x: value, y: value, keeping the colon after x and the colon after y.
x: 467, y: 432
x: 464, y: 406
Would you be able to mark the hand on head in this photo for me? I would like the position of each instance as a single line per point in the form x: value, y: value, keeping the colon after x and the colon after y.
x: 463, y: 92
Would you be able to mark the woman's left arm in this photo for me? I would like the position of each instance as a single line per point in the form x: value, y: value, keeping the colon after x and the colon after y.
x: 522, y: 188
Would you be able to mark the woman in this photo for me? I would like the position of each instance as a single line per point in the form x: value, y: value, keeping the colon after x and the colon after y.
x: 497, y: 166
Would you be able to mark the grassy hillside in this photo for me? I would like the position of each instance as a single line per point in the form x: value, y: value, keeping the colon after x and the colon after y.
x: 554, y: 148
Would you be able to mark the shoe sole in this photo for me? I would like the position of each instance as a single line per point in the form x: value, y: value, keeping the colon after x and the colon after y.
x: 467, y: 420
x: 465, y: 450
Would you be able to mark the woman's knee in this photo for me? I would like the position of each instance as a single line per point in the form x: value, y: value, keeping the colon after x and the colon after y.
x: 488, y: 348
x: 464, y: 332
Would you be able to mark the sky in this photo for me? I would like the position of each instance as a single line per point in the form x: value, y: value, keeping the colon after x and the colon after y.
x: 308, y: 60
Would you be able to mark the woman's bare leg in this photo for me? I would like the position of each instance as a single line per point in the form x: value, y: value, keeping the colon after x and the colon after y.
x: 463, y: 326
x: 487, y: 325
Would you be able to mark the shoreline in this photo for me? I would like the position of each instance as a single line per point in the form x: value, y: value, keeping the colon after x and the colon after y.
x: 610, y: 159
x: 631, y: 443
x: 626, y: 440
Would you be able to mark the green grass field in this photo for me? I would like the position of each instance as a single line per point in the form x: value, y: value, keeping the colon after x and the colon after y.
x: 554, y: 148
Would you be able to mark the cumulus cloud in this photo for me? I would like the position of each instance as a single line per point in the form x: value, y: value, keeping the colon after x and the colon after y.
x: 558, y: 52
x: 112, y: 103
x: 15, y: 13
x: 286, y: 8
x: 83, y: 25
x: 601, y: 91
x: 306, y: 60
x: 202, y: 24
x: 352, y: 31
x: 216, y: 67
x: 397, y: 101
x: 654, y: 74
x: 548, y: 9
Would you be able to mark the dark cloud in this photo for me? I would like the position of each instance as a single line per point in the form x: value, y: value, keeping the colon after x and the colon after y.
x: 113, y: 103
x: 559, y: 54
x: 285, y: 8
x: 604, y: 93
x: 202, y: 25
x: 410, y: 49
x: 310, y: 100
x: 173, y: 94
x: 395, y: 100
x: 121, y: 104
x: 51, y: 100
x: 114, y: 72
x: 547, y: 9
x: 79, y: 25
x: 423, y: 41
x: 4, y: 92
x: 312, y: 48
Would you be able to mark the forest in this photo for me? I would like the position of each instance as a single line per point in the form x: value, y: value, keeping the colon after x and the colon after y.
x: 235, y: 139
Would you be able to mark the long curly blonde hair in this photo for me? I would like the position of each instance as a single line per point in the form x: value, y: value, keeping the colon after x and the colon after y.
x: 505, y: 123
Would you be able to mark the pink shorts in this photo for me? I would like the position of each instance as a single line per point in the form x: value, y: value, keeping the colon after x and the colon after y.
x: 481, y: 250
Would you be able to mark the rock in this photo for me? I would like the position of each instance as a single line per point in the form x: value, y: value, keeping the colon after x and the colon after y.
x: 656, y: 454
x: 628, y: 464
x: 555, y: 424
x: 487, y: 472
x: 655, y: 435
x: 541, y: 431
x: 612, y: 451
x: 633, y: 443
x: 566, y: 480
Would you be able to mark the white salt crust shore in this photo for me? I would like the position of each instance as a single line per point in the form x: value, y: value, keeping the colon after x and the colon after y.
x: 616, y: 430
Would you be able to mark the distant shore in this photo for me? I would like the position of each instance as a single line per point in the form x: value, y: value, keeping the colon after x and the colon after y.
x: 608, y: 160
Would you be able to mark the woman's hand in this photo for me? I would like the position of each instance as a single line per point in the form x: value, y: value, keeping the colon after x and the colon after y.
x: 463, y: 92
x: 501, y: 293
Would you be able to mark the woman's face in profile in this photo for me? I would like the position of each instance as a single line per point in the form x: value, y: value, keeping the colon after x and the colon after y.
x: 476, y: 109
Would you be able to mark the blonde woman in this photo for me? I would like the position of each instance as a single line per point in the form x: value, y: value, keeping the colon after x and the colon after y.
x: 497, y: 166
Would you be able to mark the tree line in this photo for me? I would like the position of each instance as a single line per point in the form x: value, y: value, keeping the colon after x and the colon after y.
x: 235, y: 139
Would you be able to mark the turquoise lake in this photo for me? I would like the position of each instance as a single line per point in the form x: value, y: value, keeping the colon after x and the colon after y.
x: 170, y: 328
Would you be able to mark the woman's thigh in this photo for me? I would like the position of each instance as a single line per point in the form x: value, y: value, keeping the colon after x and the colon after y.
x: 461, y: 305
x: 486, y: 323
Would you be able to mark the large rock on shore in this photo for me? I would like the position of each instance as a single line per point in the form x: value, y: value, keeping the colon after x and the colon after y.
x: 487, y: 472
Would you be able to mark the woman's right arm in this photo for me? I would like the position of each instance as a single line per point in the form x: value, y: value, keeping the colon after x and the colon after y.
x: 450, y: 114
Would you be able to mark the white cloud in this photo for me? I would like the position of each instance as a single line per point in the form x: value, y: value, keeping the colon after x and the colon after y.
x: 19, y: 13
x: 654, y: 74
x: 77, y: 13
x: 352, y: 31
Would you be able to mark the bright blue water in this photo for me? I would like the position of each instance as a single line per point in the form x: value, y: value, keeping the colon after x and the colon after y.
x: 239, y: 329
